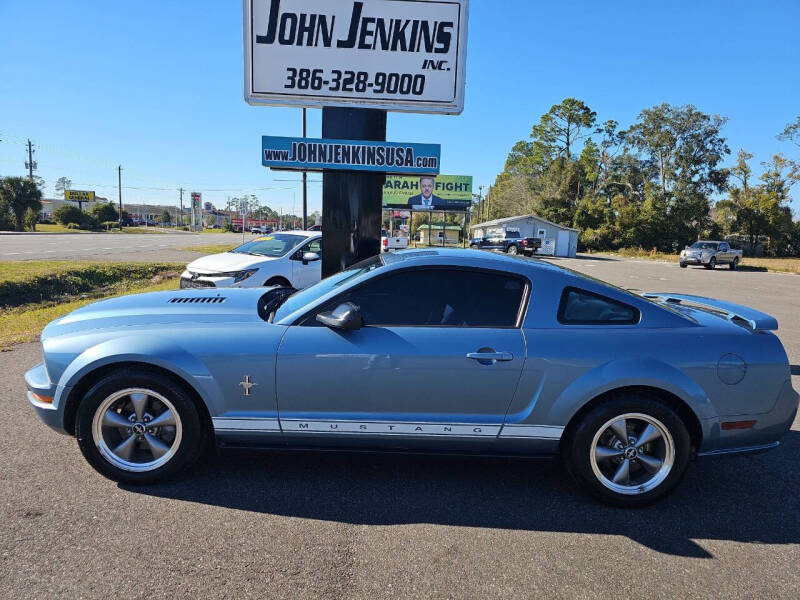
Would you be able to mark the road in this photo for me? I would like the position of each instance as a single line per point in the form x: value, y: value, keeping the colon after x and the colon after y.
x: 247, y: 525
x: 132, y: 247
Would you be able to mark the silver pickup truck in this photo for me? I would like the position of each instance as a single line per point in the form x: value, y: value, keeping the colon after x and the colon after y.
x: 711, y: 254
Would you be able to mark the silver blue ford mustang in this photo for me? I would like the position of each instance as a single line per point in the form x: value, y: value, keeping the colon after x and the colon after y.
x: 434, y: 350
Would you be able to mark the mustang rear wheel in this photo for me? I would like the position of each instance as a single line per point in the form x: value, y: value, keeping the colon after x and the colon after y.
x: 136, y: 426
x: 629, y: 450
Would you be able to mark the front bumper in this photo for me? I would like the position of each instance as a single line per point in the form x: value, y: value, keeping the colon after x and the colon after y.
x: 40, y: 387
x: 193, y: 280
x: 694, y: 260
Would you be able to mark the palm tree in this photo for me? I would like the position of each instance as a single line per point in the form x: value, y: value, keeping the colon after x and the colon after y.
x: 20, y: 194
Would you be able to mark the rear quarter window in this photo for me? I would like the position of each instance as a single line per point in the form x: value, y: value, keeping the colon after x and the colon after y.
x: 581, y: 307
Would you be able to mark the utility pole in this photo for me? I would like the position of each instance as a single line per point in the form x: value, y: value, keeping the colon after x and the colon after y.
x: 180, y: 219
x: 119, y: 188
x: 305, y: 183
x: 30, y: 164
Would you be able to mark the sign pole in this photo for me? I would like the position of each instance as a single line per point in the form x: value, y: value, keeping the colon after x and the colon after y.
x: 305, y: 182
x: 352, y: 201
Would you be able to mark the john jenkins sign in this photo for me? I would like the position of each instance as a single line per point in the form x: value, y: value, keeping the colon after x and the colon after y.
x: 402, y: 55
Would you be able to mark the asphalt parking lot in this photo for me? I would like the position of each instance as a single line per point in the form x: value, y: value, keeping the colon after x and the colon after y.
x: 245, y: 525
x: 133, y: 247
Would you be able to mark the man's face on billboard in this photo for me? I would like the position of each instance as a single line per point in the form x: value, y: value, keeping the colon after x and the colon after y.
x: 426, y: 186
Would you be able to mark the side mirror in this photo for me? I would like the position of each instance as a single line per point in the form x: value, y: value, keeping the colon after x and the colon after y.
x: 345, y: 317
x: 310, y: 257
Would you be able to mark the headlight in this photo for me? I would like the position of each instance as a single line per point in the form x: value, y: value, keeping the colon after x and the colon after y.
x: 239, y: 276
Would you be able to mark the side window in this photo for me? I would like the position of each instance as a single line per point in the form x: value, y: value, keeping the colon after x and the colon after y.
x: 315, y: 246
x: 438, y: 298
x: 579, y: 307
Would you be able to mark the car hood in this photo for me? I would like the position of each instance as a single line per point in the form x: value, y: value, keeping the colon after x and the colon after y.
x: 184, y: 307
x: 227, y: 262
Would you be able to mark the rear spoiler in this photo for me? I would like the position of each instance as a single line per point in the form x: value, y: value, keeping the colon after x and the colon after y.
x: 757, y: 321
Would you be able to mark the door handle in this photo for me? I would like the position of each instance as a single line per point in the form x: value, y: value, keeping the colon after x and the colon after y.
x: 489, y: 357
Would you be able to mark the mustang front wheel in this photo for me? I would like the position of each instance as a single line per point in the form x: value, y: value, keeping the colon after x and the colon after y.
x: 629, y: 450
x: 138, y: 427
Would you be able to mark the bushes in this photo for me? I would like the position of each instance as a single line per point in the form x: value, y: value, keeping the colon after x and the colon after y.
x: 72, y: 215
x: 105, y: 212
x: 67, y: 215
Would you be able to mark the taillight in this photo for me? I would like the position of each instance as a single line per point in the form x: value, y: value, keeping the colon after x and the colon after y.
x: 386, y: 242
x: 524, y: 242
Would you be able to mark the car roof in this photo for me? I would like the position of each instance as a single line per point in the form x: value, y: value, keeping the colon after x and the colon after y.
x: 300, y: 232
x: 472, y: 257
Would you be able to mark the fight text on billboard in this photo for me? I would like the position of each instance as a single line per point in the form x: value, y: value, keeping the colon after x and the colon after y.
x: 404, y: 55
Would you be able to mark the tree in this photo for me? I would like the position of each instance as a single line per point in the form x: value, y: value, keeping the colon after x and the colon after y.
x: 791, y: 133
x: 62, y: 185
x: 31, y: 219
x: 685, y: 144
x: 165, y: 217
x: 6, y: 221
x: 20, y: 194
x: 68, y: 214
x: 562, y: 126
x: 104, y: 212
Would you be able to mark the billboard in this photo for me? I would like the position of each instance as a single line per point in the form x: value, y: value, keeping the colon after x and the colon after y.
x: 452, y: 193
x: 349, y: 155
x: 402, y: 55
x: 78, y: 196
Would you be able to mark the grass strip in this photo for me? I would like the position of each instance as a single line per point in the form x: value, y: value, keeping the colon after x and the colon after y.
x: 25, y: 323
x: 211, y: 249
x: 24, y: 283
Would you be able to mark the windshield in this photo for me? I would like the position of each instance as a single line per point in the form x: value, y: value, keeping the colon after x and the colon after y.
x: 304, y: 297
x: 705, y: 245
x: 273, y: 246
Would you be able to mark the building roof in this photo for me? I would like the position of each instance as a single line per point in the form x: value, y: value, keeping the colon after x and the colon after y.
x: 512, y: 219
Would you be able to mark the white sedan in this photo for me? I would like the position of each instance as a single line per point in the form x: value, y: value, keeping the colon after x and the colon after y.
x: 288, y: 258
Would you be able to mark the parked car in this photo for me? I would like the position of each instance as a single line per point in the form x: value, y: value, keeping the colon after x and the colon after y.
x: 290, y: 259
x: 425, y: 350
x: 389, y: 243
x: 509, y: 242
x: 261, y: 229
x: 315, y: 228
x: 710, y: 254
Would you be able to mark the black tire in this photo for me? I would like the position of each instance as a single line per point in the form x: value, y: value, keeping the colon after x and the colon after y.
x: 474, y: 246
x: 683, y: 265
x: 193, y: 433
x: 278, y: 281
x: 712, y: 264
x: 512, y: 250
x: 577, y: 444
x: 735, y: 264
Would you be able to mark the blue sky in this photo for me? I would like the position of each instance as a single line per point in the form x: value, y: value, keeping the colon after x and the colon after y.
x: 156, y: 86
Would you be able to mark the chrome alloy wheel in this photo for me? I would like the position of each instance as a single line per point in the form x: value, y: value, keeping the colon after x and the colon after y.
x: 632, y: 454
x: 137, y: 430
